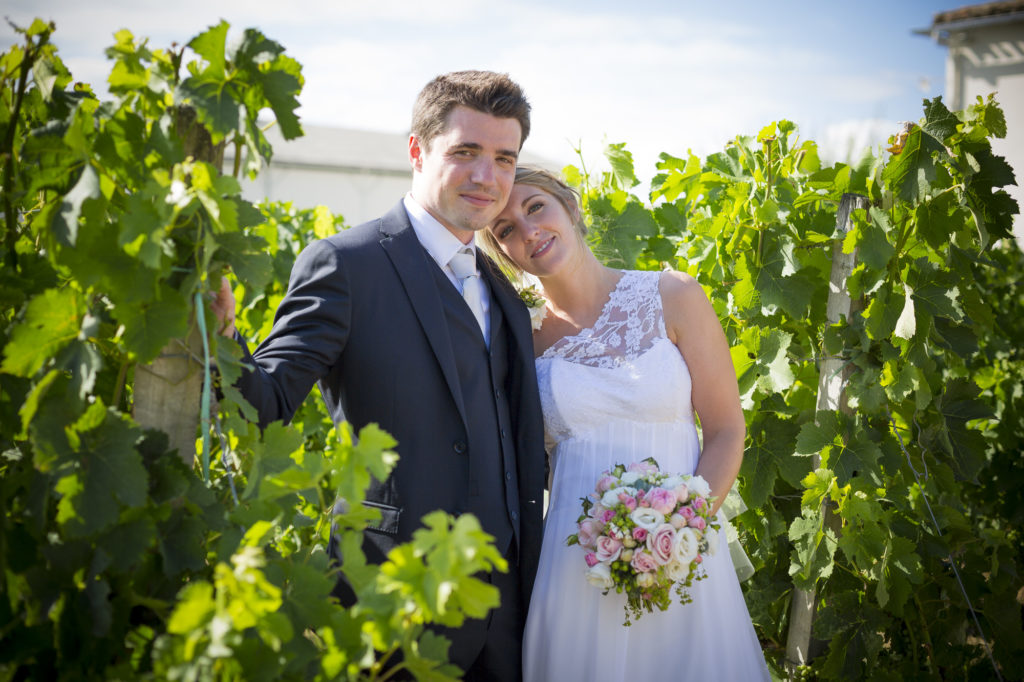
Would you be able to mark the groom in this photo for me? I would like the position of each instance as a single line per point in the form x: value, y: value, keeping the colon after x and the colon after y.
x: 400, y: 327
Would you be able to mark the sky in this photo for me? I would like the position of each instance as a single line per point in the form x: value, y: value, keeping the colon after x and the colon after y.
x: 660, y: 75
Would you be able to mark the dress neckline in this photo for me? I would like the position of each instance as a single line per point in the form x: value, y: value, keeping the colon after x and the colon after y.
x: 586, y: 332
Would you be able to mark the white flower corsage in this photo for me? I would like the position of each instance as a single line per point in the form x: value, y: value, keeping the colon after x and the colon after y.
x: 529, y: 291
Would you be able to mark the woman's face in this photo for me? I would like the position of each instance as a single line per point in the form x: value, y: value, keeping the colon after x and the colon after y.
x: 536, y: 231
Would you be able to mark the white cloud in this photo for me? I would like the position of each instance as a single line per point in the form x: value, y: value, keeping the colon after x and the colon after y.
x: 661, y: 80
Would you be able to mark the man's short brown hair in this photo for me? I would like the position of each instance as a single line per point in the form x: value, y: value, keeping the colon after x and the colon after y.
x: 484, y: 91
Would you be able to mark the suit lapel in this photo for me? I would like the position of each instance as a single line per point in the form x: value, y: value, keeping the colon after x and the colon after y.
x: 516, y: 316
x: 411, y: 264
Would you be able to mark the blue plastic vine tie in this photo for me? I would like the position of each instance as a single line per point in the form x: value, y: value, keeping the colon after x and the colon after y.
x: 204, y: 404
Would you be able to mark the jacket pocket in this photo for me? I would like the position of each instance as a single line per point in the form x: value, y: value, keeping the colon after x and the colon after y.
x: 388, y: 518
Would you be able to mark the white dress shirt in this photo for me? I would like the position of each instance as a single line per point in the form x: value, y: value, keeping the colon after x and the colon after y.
x: 442, y: 245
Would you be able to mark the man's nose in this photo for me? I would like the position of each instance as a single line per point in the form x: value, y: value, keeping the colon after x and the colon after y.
x: 484, y: 172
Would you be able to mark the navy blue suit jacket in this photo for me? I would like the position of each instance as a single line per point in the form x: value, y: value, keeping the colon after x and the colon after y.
x: 363, y: 318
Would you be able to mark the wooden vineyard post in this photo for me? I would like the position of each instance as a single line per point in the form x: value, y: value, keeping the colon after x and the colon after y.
x: 167, y: 391
x: 831, y: 397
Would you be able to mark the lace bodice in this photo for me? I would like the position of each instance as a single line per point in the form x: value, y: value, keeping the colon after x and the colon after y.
x: 623, y: 368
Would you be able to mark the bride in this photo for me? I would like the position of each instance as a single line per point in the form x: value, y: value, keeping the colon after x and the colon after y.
x: 624, y: 359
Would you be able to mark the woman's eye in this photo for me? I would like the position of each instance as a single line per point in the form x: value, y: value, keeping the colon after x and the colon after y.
x: 533, y: 208
x: 504, y: 231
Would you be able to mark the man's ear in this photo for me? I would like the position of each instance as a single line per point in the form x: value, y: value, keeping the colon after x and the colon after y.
x: 415, y: 153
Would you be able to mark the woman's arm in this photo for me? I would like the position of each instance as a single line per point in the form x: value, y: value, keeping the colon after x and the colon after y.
x: 693, y: 327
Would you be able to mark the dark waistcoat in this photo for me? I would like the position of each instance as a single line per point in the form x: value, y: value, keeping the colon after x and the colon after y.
x: 491, y: 490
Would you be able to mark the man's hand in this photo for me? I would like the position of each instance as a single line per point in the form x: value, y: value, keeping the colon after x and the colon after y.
x: 223, y: 307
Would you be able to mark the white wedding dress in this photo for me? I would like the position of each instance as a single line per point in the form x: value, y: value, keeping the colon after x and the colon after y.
x: 616, y: 393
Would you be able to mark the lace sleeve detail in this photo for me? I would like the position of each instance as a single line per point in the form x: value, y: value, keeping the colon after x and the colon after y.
x: 629, y: 324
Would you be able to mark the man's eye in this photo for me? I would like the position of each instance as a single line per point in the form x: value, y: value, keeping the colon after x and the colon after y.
x: 508, y: 161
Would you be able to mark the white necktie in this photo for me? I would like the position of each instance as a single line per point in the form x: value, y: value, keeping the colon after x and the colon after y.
x: 463, y: 264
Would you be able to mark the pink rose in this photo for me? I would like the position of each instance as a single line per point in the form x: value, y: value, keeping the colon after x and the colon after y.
x: 608, y: 549
x: 659, y: 543
x: 605, y: 484
x: 699, y: 559
x: 627, y: 500
x: 597, y: 510
x: 662, y: 501
x: 607, y: 515
x: 698, y: 522
x: 681, y: 492
x: 643, y: 562
x: 591, y: 559
x: 639, y: 534
x: 588, y: 532
x: 699, y: 503
x: 687, y: 513
x: 643, y: 468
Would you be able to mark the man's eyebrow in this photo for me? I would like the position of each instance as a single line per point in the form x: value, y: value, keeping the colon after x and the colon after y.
x: 477, y: 147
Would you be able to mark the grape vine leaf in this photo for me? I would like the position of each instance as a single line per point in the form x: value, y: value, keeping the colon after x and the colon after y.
x: 52, y: 320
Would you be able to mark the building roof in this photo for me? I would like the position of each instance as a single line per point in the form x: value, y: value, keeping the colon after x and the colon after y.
x: 1008, y: 10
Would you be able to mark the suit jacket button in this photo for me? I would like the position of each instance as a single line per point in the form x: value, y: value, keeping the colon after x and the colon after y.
x: 460, y: 447
x: 515, y: 515
x: 508, y: 475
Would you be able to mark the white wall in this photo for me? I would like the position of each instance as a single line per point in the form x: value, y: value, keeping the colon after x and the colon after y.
x: 988, y: 59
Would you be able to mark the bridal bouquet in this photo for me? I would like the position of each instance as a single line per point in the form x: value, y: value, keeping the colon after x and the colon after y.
x: 644, y: 532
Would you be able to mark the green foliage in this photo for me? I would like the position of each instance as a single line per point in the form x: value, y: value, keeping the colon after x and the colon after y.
x: 933, y: 368
x: 116, y: 560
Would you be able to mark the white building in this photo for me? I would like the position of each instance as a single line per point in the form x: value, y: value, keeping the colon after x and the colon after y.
x: 358, y: 174
x: 986, y: 55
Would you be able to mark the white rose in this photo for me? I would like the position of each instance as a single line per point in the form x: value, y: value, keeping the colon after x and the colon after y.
x: 647, y: 518
x: 671, y: 483
x: 684, y: 549
x: 712, y: 538
x: 645, y: 580
x: 630, y: 477
x: 600, y: 575
x: 537, y: 316
x: 699, y: 486
x: 676, y: 571
x: 611, y: 498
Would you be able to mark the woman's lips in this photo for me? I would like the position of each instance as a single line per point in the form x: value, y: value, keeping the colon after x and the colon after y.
x: 543, y: 248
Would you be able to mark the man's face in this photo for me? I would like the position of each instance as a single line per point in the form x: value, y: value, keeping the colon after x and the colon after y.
x: 466, y: 175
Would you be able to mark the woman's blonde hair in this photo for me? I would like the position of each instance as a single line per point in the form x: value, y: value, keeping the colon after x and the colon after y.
x: 543, y: 179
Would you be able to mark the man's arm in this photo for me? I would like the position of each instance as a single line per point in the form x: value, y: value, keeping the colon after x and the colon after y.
x: 310, y: 330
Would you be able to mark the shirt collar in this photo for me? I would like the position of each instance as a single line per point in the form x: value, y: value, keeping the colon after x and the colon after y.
x: 435, y: 237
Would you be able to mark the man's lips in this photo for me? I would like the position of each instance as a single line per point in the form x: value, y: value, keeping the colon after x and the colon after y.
x: 478, y: 199
x: 543, y: 248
